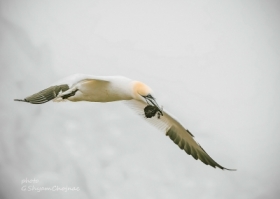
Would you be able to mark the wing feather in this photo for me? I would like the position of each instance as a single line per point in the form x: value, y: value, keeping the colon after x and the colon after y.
x: 59, y: 89
x: 177, y: 133
x: 45, y: 95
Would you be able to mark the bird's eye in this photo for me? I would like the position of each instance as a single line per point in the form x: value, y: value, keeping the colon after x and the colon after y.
x: 150, y: 96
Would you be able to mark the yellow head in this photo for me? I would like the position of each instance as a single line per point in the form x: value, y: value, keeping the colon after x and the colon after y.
x: 143, y: 93
x: 141, y: 90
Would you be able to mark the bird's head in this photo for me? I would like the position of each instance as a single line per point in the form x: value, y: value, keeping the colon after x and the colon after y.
x: 142, y: 92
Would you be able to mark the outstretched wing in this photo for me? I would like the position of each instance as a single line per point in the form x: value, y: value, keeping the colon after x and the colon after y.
x: 63, y: 89
x: 45, y: 95
x: 177, y: 133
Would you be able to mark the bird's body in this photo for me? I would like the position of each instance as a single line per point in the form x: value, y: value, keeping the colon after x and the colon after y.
x: 136, y: 94
x: 106, y: 89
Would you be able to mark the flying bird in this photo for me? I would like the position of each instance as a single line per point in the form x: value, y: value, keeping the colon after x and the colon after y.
x: 137, y: 95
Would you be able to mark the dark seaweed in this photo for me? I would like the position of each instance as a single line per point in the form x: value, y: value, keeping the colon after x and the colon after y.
x: 150, y: 111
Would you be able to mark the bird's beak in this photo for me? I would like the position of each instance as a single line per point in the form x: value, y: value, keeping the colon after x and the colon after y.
x: 152, y: 101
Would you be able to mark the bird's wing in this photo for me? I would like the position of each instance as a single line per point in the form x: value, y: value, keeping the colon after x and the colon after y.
x: 45, y: 95
x: 177, y: 133
x: 63, y: 88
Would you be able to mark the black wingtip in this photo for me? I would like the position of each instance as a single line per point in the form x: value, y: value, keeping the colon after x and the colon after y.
x: 230, y: 169
x: 20, y: 100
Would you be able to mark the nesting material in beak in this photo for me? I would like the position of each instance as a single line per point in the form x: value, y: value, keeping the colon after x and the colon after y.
x: 150, y: 111
x: 152, y: 108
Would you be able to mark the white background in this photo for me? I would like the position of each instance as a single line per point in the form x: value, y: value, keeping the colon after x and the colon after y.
x: 212, y: 64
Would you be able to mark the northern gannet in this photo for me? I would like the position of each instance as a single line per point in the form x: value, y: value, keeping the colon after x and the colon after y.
x: 137, y: 95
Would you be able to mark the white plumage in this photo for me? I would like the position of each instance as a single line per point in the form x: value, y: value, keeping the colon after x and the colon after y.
x: 136, y: 94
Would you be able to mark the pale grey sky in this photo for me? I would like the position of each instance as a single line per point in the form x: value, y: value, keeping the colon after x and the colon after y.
x: 215, y: 65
